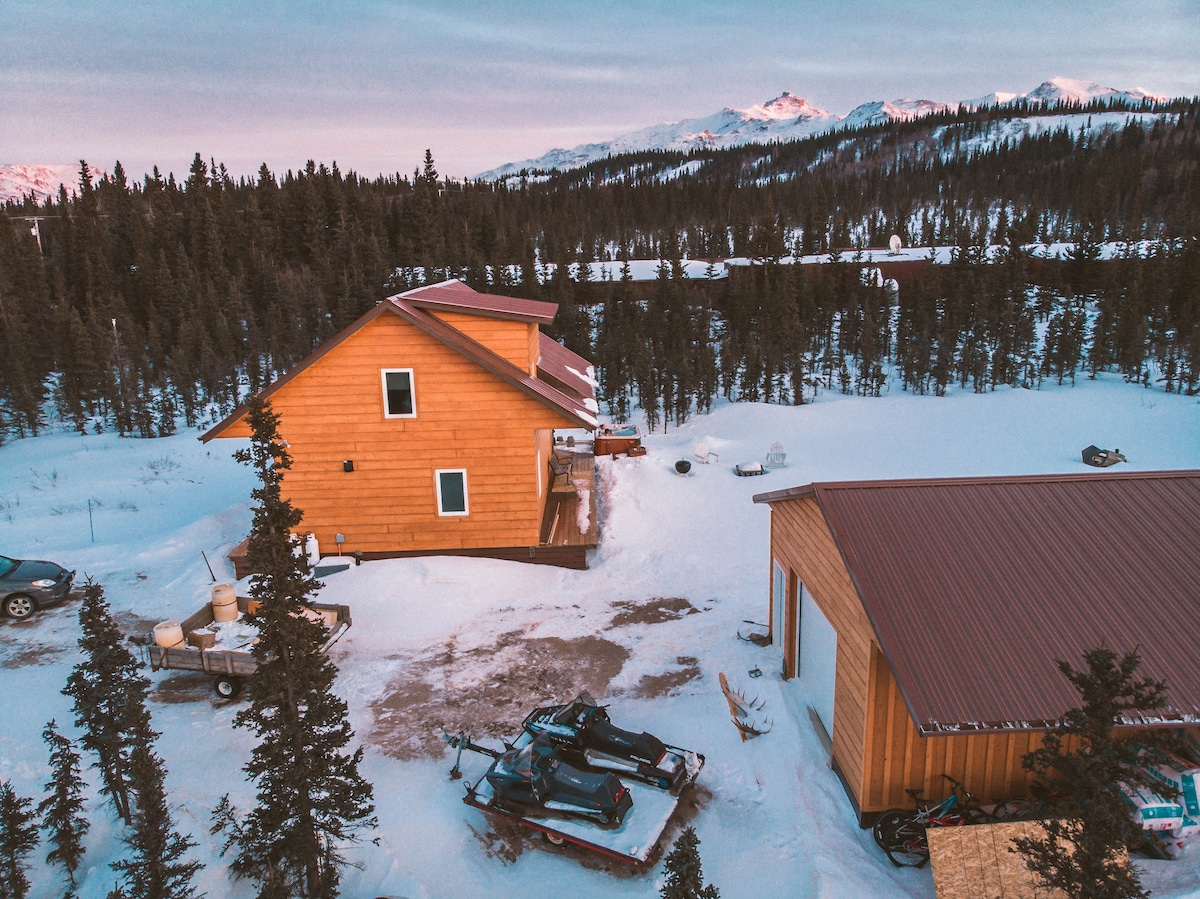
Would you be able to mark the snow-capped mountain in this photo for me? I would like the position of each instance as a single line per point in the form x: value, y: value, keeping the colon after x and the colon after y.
x: 785, y: 118
x: 17, y: 181
x: 789, y: 117
x: 881, y: 111
x: 1071, y: 90
x: 1065, y: 90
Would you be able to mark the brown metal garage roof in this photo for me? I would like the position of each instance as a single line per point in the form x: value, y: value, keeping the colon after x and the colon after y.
x: 977, y: 586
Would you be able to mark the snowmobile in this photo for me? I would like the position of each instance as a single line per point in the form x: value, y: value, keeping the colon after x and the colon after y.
x: 588, y: 739
x: 536, y: 778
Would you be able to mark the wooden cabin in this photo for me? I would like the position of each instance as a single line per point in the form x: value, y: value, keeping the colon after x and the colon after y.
x: 921, y: 621
x: 428, y: 427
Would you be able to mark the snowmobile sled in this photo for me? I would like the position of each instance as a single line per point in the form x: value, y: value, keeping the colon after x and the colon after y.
x: 535, y: 777
x: 588, y: 739
x: 636, y: 824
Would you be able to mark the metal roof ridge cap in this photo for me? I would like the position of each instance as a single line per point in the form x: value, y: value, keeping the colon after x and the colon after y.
x: 413, y: 290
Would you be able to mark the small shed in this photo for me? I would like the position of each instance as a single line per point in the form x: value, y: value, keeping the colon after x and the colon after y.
x: 921, y: 621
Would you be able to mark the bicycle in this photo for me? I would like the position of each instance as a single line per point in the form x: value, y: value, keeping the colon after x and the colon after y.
x: 900, y: 833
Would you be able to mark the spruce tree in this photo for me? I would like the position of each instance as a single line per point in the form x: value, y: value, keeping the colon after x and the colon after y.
x: 18, y: 836
x: 685, y: 877
x: 109, y: 693
x: 1088, y: 823
x: 156, y: 867
x: 62, y: 810
x: 310, y: 796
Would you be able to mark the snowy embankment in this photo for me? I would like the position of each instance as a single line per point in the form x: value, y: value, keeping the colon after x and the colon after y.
x: 468, y: 643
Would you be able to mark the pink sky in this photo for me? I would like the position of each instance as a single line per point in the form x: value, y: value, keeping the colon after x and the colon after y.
x: 371, y: 84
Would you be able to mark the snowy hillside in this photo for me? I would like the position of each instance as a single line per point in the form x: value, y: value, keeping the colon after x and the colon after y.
x: 474, y: 643
x: 789, y: 117
x: 1072, y: 90
x: 18, y: 181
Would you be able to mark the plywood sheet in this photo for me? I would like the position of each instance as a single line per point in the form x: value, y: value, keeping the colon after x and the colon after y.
x: 975, y: 862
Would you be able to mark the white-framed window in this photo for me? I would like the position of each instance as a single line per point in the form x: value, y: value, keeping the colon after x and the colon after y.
x: 399, y: 400
x: 451, y: 491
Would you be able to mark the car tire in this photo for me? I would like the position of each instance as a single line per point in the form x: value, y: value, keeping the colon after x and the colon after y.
x: 19, y: 606
x: 227, y: 687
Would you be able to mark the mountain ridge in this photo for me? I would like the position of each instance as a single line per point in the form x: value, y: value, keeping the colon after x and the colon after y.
x: 789, y: 117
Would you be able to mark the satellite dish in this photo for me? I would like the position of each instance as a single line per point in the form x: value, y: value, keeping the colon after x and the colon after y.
x: 895, y: 244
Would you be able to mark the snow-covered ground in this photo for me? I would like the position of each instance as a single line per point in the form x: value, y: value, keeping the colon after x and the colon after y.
x: 444, y: 642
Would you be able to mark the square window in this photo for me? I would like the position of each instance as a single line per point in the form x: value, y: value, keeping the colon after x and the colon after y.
x: 452, y: 491
x: 398, y: 393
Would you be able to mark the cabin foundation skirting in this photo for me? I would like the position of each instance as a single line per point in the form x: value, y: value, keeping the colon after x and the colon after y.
x: 561, y: 556
x: 574, y: 557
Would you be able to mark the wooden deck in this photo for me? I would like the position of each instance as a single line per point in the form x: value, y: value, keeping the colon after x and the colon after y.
x: 560, y: 524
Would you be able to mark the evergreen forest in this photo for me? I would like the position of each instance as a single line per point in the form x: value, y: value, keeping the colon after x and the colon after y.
x: 142, y: 305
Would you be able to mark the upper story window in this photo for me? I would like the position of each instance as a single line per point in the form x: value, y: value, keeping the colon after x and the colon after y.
x: 398, y: 400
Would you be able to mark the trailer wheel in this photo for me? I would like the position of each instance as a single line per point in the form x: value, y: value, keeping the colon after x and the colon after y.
x: 227, y: 686
x: 553, y: 839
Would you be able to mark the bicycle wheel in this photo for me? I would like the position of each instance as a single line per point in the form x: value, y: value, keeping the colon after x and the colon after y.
x: 973, y: 814
x: 1012, y: 810
x: 886, y: 824
x: 909, y: 848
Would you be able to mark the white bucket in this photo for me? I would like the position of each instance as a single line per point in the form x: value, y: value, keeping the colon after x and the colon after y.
x: 168, y: 634
x: 224, y: 602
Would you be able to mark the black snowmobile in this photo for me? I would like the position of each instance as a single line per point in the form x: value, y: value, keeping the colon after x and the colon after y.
x: 535, y: 778
x: 589, y: 739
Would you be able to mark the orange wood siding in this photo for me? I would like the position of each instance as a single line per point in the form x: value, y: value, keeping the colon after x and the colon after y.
x: 802, y: 544
x: 515, y: 341
x: 875, y: 743
x: 899, y: 758
x: 467, y: 418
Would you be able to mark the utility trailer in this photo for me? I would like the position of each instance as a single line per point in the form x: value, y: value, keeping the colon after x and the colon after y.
x: 633, y: 841
x: 228, y: 667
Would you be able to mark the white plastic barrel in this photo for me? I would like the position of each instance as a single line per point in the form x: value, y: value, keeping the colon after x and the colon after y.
x: 168, y: 634
x: 224, y: 602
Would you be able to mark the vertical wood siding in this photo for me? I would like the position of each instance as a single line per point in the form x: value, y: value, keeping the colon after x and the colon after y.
x: 802, y: 544
x: 876, y: 746
x: 899, y: 758
x: 466, y: 418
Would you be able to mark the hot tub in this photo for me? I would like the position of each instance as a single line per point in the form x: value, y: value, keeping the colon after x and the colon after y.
x: 614, y: 439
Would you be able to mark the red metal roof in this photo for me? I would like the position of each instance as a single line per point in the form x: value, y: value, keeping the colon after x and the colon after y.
x: 567, y: 369
x: 455, y: 296
x: 976, y: 587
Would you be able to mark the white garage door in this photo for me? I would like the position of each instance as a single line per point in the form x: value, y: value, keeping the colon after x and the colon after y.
x: 817, y: 653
